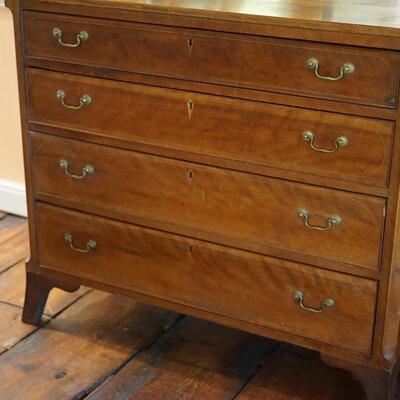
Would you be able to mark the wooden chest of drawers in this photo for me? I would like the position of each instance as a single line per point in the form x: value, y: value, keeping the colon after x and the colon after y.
x: 236, y: 161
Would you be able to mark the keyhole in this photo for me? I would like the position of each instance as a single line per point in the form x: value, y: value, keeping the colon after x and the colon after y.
x: 190, y: 45
x: 190, y: 107
x: 190, y: 176
x: 189, y: 249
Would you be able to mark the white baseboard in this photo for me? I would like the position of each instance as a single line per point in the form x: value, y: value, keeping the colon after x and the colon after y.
x: 13, y: 197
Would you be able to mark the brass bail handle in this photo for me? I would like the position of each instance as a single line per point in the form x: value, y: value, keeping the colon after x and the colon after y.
x: 90, y: 245
x: 86, y: 170
x: 341, y: 141
x: 85, y: 100
x: 80, y: 38
x: 333, y: 221
x: 346, y: 69
x: 325, y: 304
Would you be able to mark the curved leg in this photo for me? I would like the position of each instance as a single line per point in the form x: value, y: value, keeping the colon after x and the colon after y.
x: 379, y: 384
x: 37, y: 291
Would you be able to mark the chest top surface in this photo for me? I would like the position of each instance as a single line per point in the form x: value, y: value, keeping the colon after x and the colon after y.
x: 374, y: 13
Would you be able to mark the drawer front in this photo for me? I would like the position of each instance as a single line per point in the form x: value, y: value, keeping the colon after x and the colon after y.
x: 218, y: 279
x: 234, y: 60
x: 257, y: 133
x: 196, y: 198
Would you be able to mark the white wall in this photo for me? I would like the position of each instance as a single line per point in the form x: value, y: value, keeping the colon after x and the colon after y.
x: 12, y: 187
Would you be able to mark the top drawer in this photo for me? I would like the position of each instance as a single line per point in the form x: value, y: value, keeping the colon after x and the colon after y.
x: 219, y: 58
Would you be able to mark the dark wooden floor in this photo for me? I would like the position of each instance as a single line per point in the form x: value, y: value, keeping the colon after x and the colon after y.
x: 97, y: 346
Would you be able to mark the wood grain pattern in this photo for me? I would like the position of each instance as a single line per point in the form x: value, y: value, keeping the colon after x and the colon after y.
x: 15, y: 7
x: 10, y: 226
x: 80, y: 348
x: 390, y: 349
x: 12, y: 329
x: 196, y: 274
x: 197, y: 359
x: 218, y: 58
x: 14, y: 245
x: 257, y: 53
x: 382, y: 13
x: 378, y: 383
x: 333, y: 21
x: 207, y: 199
x: 297, y: 374
x: 255, y: 133
x: 208, y: 88
x: 386, y: 345
x: 202, y: 359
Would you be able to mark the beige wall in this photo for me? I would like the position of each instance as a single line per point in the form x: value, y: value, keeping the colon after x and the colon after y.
x: 11, y: 160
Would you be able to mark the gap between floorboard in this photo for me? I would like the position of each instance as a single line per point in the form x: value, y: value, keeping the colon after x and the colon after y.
x: 116, y: 370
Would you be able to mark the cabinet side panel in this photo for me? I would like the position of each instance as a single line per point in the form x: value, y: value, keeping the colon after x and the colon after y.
x: 387, y: 325
x: 15, y: 6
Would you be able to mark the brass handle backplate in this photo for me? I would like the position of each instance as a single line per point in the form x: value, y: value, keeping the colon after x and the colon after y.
x: 80, y: 38
x: 325, y: 305
x: 86, y: 170
x: 85, y: 100
x: 345, y: 69
x: 340, y: 142
x: 333, y: 221
x: 90, y: 245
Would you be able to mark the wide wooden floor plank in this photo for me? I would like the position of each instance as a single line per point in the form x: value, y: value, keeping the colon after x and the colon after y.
x: 12, y: 329
x: 10, y: 226
x: 79, y: 348
x: 12, y: 291
x: 293, y: 373
x: 14, y: 249
x: 10, y: 220
x: 195, y: 360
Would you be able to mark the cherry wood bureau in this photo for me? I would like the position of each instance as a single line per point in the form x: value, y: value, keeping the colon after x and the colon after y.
x: 235, y: 160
